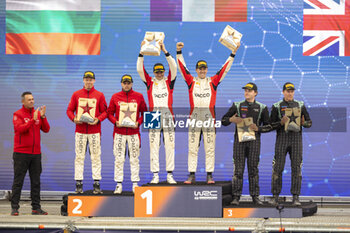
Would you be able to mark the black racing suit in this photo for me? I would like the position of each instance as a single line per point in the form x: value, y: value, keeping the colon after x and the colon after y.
x: 287, y: 142
x: 249, y: 149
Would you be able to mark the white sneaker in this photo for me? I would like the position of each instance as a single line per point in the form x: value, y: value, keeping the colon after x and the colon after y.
x: 134, y: 185
x: 170, y: 178
x: 118, y: 189
x: 155, y: 179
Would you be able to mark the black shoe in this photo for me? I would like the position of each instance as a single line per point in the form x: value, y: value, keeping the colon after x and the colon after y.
x: 14, y: 212
x: 296, y: 201
x: 79, y: 187
x: 191, y: 179
x: 97, y: 189
x: 274, y: 200
x: 256, y: 200
x: 235, y: 201
x: 210, y: 179
x: 39, y: 212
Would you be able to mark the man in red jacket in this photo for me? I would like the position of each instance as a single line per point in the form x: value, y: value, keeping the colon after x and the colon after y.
x: 131, y: 105
x: 87, y: 109
x: 27, y: 124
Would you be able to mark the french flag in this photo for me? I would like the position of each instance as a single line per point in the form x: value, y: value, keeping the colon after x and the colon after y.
x: 198, y: 10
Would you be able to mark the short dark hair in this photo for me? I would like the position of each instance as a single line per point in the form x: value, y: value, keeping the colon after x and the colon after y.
x: 26, y: 93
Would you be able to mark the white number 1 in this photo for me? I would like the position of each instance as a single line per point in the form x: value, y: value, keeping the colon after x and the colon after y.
x: 148, y: 196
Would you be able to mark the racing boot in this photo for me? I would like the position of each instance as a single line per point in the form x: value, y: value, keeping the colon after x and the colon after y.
x: 296, y: 201
x: 97, y: 189
x: 170, y: 178
x: 155, y: 179
x: 118, y: 188
x: 134, y: 185
x: 274, y: 200
x: 191, y: 179
x: 256, y: 200
x: 210, y: 179
x: 79, y: 186
x: 235, y: 200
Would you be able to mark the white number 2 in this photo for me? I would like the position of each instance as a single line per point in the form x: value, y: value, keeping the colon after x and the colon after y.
x: 148, y: 196
x: 77, y: 210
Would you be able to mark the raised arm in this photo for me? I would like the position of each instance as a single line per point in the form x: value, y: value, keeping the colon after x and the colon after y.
x: 182, y: 65
x: 141, y: 68
x: 220, y: 75
x: 171, y: 62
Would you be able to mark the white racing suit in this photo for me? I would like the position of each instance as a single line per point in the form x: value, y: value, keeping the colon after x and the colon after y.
x: 81, y: 141
x: 119, y: 147
x: 160, y: 97
x: 202, y: 95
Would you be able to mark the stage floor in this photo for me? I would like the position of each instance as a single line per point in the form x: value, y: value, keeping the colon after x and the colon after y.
x: 328, y: 219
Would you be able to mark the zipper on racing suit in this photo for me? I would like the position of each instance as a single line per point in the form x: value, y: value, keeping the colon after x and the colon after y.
x: 87, y: 125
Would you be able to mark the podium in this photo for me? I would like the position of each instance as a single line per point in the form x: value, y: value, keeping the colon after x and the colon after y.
x: 179, y: 200
x: 248, y: 210
x: 100, y: 205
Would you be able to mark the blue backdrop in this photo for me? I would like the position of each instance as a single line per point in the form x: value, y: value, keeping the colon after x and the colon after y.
x: 270, y: 55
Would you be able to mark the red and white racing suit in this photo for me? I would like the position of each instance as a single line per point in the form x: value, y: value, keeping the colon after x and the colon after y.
x: 126, y: 135
x: 160, y: 97
x: 202, y: 94
x: 94, y: 103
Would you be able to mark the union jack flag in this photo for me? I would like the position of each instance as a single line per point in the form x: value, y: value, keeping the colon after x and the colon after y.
x: 326, y: 28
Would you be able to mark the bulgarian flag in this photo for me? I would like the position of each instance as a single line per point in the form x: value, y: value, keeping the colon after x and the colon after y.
x: 198, y: 10
x: 60, y: 27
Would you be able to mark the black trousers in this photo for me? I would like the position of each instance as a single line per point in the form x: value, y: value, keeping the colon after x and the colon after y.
x: 21, y: 164
x: 291, y: 143
x: 251, y: 151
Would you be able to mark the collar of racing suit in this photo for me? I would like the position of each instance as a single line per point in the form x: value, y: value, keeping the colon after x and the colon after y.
x: 288, y: 102
x: 154, y: 79
x: 91, y: 90
x: 128, y: 92
x: 250, y: 103
x: 27, y: 110
x: 202, y: 79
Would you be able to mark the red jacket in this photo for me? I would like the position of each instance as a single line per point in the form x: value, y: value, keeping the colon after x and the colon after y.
x: 100, y: 112
x: 27, y: 131
x: 114, y: 106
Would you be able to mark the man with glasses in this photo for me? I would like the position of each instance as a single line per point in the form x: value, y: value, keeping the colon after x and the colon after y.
x: 160, y: 98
